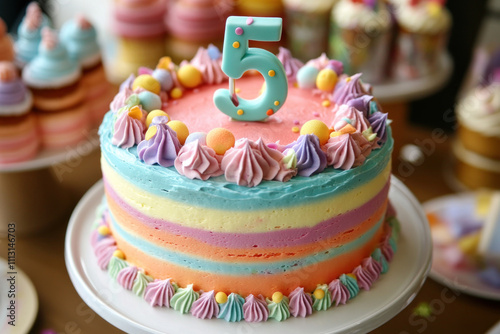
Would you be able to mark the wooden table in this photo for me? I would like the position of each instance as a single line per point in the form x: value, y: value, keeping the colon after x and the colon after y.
x: 41, y: 256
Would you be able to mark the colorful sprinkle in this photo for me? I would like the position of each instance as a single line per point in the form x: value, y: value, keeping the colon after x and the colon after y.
x: 270, y: 112
x: 316, y: 114
x: 237, y: 90
x: 119, y: 254
x: 249, y: 21
x: 221, y: 297
x: 240, y: 112
x: 271, y: 73
x: 296, y: 122
x: 236, y: 44
x: 238, y: 31
x: 326, y: 103
x: 277, y: 297
x: 295, y: 129
x: 276, y: 103
x: 103, y: 230
x: 176, y: 93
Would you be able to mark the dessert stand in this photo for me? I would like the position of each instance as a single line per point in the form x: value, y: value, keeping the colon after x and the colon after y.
x: 32, y: 193
x: 130, y: 313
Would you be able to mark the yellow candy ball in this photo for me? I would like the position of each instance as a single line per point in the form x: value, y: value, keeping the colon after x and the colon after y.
x: 220, y: 140
x: 326, y: 80
x: 103, y: 230
x: 181, y: 129
x: 147, y: 82
x: 189, y: 76
x: 277, y: 297
x: 176, y: 93
x: 153, y: 114
x: 221, y: 297
x: 119, y: 254
x: 317, y: 128
x: 319, y: 294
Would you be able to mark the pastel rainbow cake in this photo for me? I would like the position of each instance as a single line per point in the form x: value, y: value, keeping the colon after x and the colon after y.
x: 245, y: 220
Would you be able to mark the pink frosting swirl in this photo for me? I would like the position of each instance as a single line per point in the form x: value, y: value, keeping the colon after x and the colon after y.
x: 291, y: 65
x: 255, y: 309
x: 128, y: 131
x: 210, y: 68
x: 340, y: 293
x: 285, y: 174
x: 365, y: 146
x: 126, y: 277
x: 320, y: 63
x: 196, y: 161
x: 104, y: 251
x: 372, y: 267
x: 349, y: 115
x: 272, y: 157
x: 244, y: 165
x: 205, y: 307
x: 386, y: 249
x: 33, y: 18
x: 300, y: 303
x: 343, y: 152
x: 120, y: 99
x: 159, y: 293
x: 365, y: 281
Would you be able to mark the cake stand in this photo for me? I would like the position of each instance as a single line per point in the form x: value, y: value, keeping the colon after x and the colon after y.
x: 32, y: 193
x: 130, y: 313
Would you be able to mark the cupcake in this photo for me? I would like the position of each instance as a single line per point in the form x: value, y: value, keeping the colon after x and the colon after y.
x: 6, y: 44
x: 140, y: 31
x: 422, y: 36
x: 194, y: 24
x: 80, y: 39
x: 307, y: 27
x: 58, y: 94
x: 18, y: 133
x: 360, y: 37
x: 29, y: 34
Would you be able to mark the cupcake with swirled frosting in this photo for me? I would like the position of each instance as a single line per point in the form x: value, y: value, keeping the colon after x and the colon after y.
x: 6, y: 44
x: 54, y: 78
x: 80, y: 39
x: 19, y: 139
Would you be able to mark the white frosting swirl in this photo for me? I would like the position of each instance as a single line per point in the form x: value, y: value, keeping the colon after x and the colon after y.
x: 349, y: 15
x: 421, y: 19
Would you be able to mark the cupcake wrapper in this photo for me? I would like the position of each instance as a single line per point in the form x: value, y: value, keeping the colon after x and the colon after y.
x: 417, y: 55
x: 361, y: 51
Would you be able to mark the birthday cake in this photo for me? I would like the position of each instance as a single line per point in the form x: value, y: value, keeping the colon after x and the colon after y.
x: 245, y: 220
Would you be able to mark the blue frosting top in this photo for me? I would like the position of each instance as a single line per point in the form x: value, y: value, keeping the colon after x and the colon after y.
x: 81, y: 43
x: 27, y: 42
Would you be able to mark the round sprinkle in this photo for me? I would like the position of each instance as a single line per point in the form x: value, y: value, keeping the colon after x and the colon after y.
x: 277, y: 297
x: 319, y: 294
x: 326, y: 103
x: 221, y: 297
x: 103, y: 230
x: 316, y: 114
x: 238, y: 31
x: 271, y: 73
x: 220, y: 140
x: 318, y: 128
x: 240, y: 112
x: 176, y: 93
x: 237, y: 90
x: 296, y: 122
x: 151, y: 132
x: 153, y: 114
x: 180, y: 129
x: 276, y: 103
x: 270, y: 112
x: 295, y: 129
x: 249, y: 21
x: 236, y: 44
x: 119, y: 254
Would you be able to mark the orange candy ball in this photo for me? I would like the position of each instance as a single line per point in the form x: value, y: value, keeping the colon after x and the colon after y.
x: 220, y: 140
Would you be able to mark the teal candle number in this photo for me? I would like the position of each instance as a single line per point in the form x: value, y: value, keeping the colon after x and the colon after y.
x: 237, y: 58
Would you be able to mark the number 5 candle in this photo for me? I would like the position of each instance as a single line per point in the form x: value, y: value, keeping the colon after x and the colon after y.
x: 237, y: 58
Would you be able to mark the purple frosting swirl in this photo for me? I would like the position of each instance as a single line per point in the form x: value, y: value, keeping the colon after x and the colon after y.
x: 162, y: 148
x: 300, y: 303
x: 378, y: 121
x: 104, y: 251
x: 205, y: 307
x: 291, y: 65
x: 386, y: 249
x: 255, y: 309
x: 126, y: 277
x: 340, y: 293
x: 372, y: 267
x: 361, y: 103
x: 310, y: 158
x: 349, y: 89
x: 159, y: 293
x: 12, y: 92
x: 128, y: 131
x: 365, y: 280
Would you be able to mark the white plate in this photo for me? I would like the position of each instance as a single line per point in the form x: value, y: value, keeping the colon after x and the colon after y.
x: 390, y: 294
x: 495, y: 329
x: 462, y: 279
x: 47, y: 158
x: 26, y: 301
x: 412, y: 89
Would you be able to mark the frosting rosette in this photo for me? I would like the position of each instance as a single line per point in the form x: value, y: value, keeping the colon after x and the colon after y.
x: 310, y: 158
x: 349, y: 115
x: 115, y: 266
x: 340, y: 293
x: 279, y: 311
x: 208, y: 62
x: 126, y: 277
x: 323, y: 303
x: 129, y: 131
x: 197, y: 161
x: 184, y: 299
x: 350, y: 88
x: 364, y: 278
x: 232, y: 309
x: 378, y: 122
x: 104, y: 250
x: 159, y: 293
x: 205, y: 307
x: 379, y: 257
x: 140, y: 283
x: 290, y: 64
x: 163, y: 147
x: 343, y: 152
x: 300, y: 303
x: 255, y: 309
x: 351, y: 284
